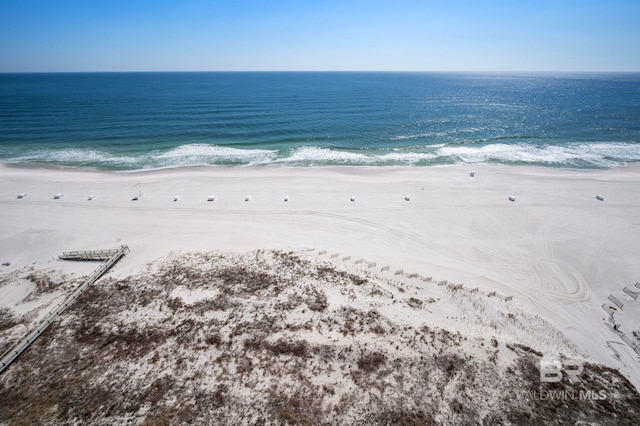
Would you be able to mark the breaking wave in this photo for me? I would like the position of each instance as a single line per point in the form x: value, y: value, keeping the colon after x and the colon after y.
x: 572, y: 155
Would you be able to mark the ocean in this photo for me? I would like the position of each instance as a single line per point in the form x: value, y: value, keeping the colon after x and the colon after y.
x: 142, y: 121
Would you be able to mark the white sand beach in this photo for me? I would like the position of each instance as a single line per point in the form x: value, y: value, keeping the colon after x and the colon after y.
x: 557, y: 250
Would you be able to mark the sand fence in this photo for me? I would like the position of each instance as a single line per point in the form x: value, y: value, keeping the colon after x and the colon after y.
x: 624, y: 312
x: 395, y: 273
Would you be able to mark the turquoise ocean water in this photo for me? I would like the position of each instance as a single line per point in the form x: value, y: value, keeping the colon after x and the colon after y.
x: 135, y: 121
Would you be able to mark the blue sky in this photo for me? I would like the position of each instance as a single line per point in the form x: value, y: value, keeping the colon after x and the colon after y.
x: 414, y: 35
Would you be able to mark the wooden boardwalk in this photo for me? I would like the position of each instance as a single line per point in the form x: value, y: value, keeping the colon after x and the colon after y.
x: 101, y: 255
x: 109, y: 257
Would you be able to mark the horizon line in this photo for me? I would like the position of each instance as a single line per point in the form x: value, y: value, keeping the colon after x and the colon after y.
x: 326, y: 71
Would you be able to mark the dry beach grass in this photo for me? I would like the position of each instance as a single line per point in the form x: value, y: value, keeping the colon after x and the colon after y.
x: 283, y: 338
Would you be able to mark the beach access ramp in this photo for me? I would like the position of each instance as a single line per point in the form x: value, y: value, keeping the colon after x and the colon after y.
x: 108, y: 258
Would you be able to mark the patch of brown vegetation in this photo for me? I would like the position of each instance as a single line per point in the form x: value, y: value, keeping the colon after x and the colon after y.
x: 7, y: 319
x: 269, y: 348
x: 371, y: 362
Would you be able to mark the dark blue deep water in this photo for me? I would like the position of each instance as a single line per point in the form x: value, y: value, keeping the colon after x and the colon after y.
x: 134, y: 121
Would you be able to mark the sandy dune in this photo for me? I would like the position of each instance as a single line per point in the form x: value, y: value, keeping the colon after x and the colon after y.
x: 273, y: 337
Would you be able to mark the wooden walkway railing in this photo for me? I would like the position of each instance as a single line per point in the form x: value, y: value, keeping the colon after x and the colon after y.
x: 89, y: 255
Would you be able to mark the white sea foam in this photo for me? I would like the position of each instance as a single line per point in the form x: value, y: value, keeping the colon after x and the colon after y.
x: 575, y: 154
x: 311, y: 155
x: 202, y: 154
x: 78, y: 157
x: 315, y: 155
x: 407, y: 157
x: 182, y: 156
x: 568, y: 155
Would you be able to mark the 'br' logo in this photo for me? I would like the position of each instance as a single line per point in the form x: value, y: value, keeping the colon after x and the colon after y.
x: 551, y: 370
